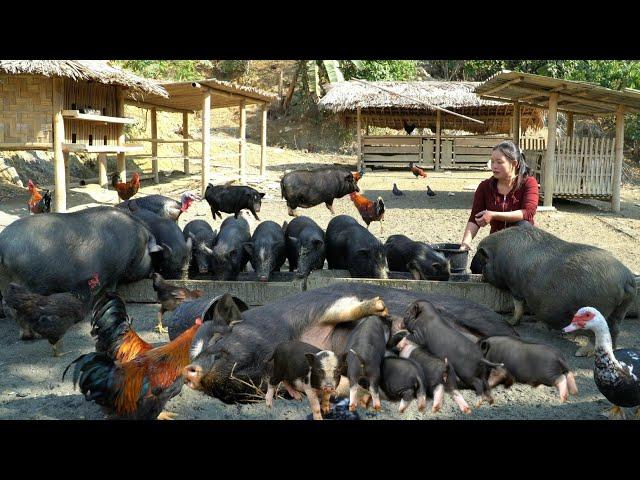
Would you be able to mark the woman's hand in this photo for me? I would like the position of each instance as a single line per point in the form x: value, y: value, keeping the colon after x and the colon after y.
x: 484, y: 218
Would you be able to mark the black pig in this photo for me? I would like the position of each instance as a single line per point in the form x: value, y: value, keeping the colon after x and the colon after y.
x: 266, y: 250
x: 232, y: 199
x: 406, y: 255
x: 304, y: 245
x: 229, y: 257
x: 203, y: 237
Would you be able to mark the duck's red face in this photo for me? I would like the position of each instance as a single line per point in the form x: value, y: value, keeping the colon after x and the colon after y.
x: 580, y: 319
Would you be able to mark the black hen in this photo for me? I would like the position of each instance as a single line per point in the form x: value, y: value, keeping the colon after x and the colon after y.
x: 430, y: 192
x: 396, y: 191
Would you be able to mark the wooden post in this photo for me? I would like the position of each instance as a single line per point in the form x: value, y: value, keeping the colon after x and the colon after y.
x: 185, y: 145
x: 67, y: 171
x: 242, y: 151
x: 516, y: 123
x: 570, y: 124
x: 60, y: 194
x: 206, y: 138
x: 617, y: 166
x: 359, y: 132
x: 102, y: 170
x: 154, y: 145
x: 121, y: 159
x: 263, y: 142
x: 550, y: 156
x: 437, y: 153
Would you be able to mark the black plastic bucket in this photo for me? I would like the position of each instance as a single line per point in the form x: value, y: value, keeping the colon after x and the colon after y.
x: 183, y: 317
x: 457, y: 257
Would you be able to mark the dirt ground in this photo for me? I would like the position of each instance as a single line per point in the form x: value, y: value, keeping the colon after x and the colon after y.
x: 30, y: 378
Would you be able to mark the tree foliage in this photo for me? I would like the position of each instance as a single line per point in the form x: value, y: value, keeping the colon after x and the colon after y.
x: 373, y: 70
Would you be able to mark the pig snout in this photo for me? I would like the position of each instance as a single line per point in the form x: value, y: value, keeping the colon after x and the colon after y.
x: 192, y: 375
x: 263, y: 278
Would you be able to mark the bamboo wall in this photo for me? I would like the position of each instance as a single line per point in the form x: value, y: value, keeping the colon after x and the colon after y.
x: 79, y: 95
x: 26, y: 109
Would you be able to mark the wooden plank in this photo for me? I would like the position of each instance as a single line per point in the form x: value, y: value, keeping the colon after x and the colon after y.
x: 617, y: 166
x: 359, y: 137
x: 154, y: 146
x: 471, y: 158
x: 581, y: 164
x: 76, y: 115
x: 478, y: 142
x: 242, y: 149
x: 185, y: 144
x: 121, y: 160
x: 438, y: 140
x: 516, y: 123
x: 206, y: 139
x: 176, y: 140
x: 102, y: 170
x: 67, y: 172
x: 392, y: 158
x: 26, y: 146
x: 60, y: 193
x: 462, y: 150
x: 427, y: 151
x: 396, y: 140
x: 552, y: 119
x: 447, y: 153
x: 398, y: 149
x: 263, y: 140
x: 158, y: 107
x: 81, y: 147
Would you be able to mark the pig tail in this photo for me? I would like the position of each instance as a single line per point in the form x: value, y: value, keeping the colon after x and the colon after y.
x: 513, y: 153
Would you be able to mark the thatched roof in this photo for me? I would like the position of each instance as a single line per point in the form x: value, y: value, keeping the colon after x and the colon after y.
x: 83, y: 70
x: 384, y: 109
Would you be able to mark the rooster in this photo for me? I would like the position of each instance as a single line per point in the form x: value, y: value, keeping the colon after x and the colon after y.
x: 417, y: 171
x: 127, y: 376
x: 38, y: 203
x: 126, y: 190
x: 369, y: 211
x: 50, y: 316
x: 170, y: 297
x: 359, y: 174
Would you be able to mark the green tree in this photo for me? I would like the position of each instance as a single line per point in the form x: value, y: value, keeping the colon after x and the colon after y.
x: 376, y: 70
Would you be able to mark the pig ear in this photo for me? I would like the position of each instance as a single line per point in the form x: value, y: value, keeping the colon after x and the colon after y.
x: 484, y: 346
x: 310, y: 358
x: 262, y: 195
x: 226, y: 311
x: 285, y: 224
x: 167, y: 250
x: 348, y: 177
x: 207, y: 250
x: 414, y: 310
x: 362, y: 251
x: 248, y: 247
x: 152, y: 246
x: 294, y: 239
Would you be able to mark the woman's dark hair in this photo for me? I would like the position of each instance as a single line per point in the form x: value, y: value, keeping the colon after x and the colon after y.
x: 513, y: 153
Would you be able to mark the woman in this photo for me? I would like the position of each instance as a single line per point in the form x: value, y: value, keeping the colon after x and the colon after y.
x: 508, y: 198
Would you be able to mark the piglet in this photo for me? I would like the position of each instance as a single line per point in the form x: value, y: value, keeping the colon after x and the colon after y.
x: 527, y: 362
x: 402, y: 380
x: 304, y: 368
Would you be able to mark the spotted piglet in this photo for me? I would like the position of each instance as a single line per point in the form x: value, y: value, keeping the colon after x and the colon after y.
x: 304, y: 368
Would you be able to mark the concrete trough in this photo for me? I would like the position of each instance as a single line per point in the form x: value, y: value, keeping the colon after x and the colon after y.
x: 256, y: 293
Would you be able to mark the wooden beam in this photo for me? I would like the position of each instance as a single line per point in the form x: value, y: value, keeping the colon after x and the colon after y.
x: 242, y: 151
x: 359, y: 136
x: 158, y: 107
x: 102, y: 171
x: 437, y: 149
x: 516, y: 123
x: 570, y: 124
x: 154, y: 146
x: 617, y: 166
x: 263, y: 139
x: 67, y: 170
x: 550, y: 156
x: 503, y: 86
x: 60, y: 193
x: 532, y: 93
x: 185, y: 145
x: 121, y: 163
x: 206, y: 139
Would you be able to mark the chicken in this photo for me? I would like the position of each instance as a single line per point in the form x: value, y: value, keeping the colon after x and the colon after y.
x: 359, y: 174
x: 396, y: 191
x: 126, y: 190
x: 50, y: 316
x: 170, y: 297
x: 162, y: 206
x: 430, y: 192
x: 38, y: 203
x: 369, y: 211
x: 127, y: 376
x: 417, y: 171
x: 408, y: 127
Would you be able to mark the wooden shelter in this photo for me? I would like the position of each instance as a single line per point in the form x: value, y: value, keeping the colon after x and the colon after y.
x: 397, y: 105
x: 570, y: 166
x: 203, y: 95
x: 68, y: 106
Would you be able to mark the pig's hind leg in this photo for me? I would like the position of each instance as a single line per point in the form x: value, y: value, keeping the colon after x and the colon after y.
x: 313, y: 401
x: 348, y: 309
x: 292, y: 391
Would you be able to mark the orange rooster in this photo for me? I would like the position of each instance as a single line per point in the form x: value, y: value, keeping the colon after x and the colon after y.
x: 359, y: 174
x: 126, y: 376
x: 417, y: 171
x: 126, y: 190
x: 37, y: 203
x: 369, y: 211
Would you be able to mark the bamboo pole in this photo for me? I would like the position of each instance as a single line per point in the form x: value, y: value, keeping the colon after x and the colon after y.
x: 570, y: 124
x: 242, y: 150
x: 60, y: 194
x: 359, y: 134
x: 549, y: 159
x: 185, y: 145
x: 121, y: 158
x: 263, y: 141
x: 516, y: 123
x: 437, y: 152
x: 206, y: 138
x: 154, y: 145
x: 102, y: 170
x: 67, y: 171
x: 617, y: 166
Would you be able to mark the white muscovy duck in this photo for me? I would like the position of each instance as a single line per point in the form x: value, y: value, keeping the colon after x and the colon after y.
x: 616, y: 372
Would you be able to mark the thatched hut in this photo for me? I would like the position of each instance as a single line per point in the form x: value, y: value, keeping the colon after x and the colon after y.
x: 402, y: 105
x: 65, y: 106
